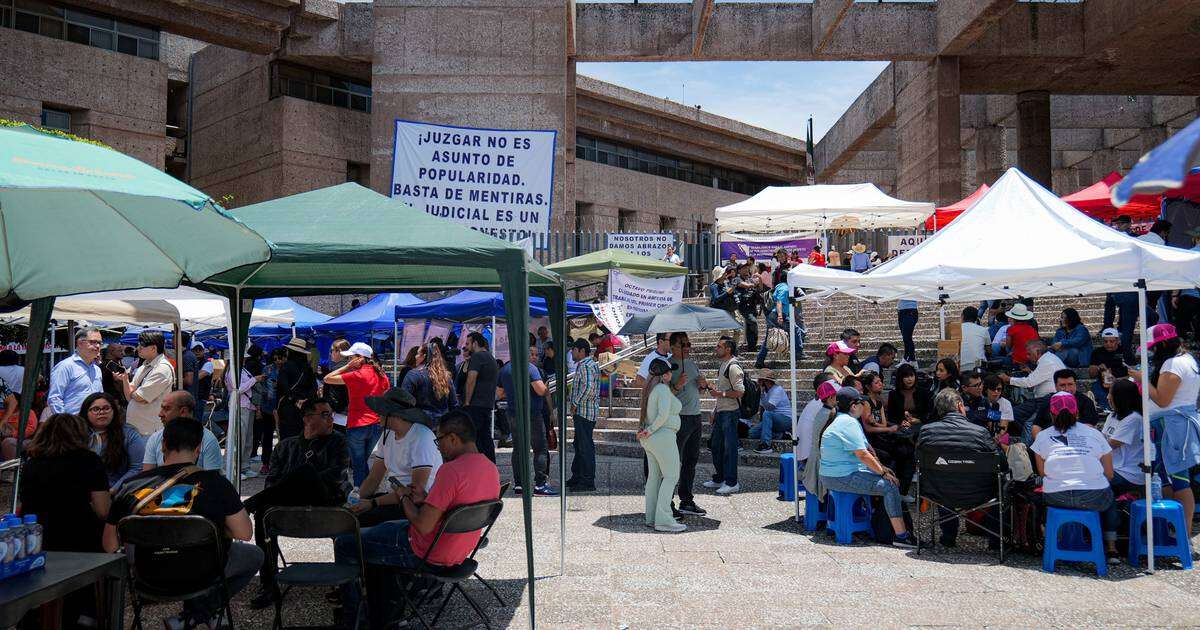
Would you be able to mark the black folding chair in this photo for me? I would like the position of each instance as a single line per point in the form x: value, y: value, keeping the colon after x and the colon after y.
x: 463, y: 519
x: 961, y: 482
x: 311, y: 523
x: 164, y: 548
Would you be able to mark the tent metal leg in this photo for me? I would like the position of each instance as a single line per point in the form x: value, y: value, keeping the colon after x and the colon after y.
x: 795, y: 393
x: 1145, y: 368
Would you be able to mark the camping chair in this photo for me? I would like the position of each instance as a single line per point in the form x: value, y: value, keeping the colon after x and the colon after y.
x: 962, y: 482
x: 460, y: 520
x: 310, y: 523
x: 167, y: 547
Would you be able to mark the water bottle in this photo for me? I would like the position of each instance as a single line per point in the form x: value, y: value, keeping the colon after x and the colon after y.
x: 16, y: 543
x: 33, y: 543
x: 353, y: 498
x: 5, y: 557
x: 1156, y: 487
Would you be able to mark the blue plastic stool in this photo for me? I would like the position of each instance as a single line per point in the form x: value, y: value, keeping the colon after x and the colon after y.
x: 1065, y: 540
x: 848, y: 513
x: 814, y: 512
x: 788, y: 484
x: 1166, y: 545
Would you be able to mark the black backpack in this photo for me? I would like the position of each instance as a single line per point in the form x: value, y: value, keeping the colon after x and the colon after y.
x: 749, y: 402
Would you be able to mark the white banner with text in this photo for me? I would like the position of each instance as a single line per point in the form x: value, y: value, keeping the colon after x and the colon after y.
x: 497, y: 181
x: 899, y: 244
x: 641, y: 295
x: 652, y: 244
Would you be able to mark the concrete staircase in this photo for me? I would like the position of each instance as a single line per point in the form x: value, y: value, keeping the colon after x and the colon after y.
x: 616, y: 428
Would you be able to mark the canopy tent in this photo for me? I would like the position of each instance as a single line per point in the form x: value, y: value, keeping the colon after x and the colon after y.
x: 944, y: 215
x: 1096, y: 202
x: 404, y: 250
x: 190, y: 308
x: 821, y: 207
x: 375, y: 315
x: 1018, y: 240
x: 302, y: 318
x: 596, y: 265
x: 470, y: 304
x: 1021, y: 240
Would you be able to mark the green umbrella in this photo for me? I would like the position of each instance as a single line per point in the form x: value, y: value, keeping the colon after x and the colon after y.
x: 596, y: 265
x: 78, y: 217
x: 679, y: 318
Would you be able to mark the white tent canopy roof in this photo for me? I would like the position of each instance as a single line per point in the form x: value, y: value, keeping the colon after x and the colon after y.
x: 1019, y: 239
x: 191, y: 308
x: 821, y: 207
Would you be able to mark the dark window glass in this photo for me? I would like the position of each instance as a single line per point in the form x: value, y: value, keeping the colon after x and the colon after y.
x: 341, y: 99
x: 5, y: 16
x: 41, y: 8
x: 51, y: 27
x: 148, y: 50
x: 56, y: 119
x: 127, y: 45
x: 360, y: 103
x: 78, y: 34
x: 102, y: 39
x: 26, y: 22
x: 90, y: 20
x: 140, y: 31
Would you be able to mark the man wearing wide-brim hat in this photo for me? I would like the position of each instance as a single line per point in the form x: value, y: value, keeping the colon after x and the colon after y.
x: 720, y: 290
x: 1020, y: 333
x: 406, y: 455
x: 776, y: 411
x: 297, y: 382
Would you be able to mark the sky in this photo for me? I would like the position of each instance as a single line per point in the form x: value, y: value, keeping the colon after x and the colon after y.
x: 774, y: 95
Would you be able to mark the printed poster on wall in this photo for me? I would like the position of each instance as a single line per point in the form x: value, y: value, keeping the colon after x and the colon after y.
x: 899, y: 244
x: 652, y: 244
x: 500, y: 342
x: 499, y: 182
x: 641, y: 295
x: 411, y: 336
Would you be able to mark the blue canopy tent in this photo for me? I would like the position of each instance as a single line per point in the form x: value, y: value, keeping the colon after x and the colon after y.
x: 469, y: 304
x: 376, y: 315
x: 305, y: 318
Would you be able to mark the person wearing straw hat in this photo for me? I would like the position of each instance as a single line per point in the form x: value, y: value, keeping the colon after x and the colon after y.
x: 860, y: 260
x: 776, y: 411
x: 297, y: 383
x: 1020, y: 333
x: 720, y: 290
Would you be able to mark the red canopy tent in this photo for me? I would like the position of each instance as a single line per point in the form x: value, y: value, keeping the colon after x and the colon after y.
x: 943, y: 216
x: 1096, y: 202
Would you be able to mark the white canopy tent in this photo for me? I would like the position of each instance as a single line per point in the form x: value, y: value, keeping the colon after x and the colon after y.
x: 1020, y: 240
x: 821, y: 207
x: 189, y: 308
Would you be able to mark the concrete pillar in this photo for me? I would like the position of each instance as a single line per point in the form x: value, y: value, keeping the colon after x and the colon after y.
x: 928, y: 141
x: 460, y: 62
x: 989, y: 154
x: 1152, y: 137
x: 1033, y: 135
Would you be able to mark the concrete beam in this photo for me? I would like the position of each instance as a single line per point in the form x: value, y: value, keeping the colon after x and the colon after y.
x: 961, y: 22
x: 701, y: 13
x: 827, y: 15
x: 192, y: 20
x: 873, y: 110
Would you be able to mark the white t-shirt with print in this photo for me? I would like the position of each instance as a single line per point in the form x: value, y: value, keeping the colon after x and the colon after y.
x: 1073, y: 458
x: 416, y: 449
x: 1126, y: 458
x: 1184, y: 366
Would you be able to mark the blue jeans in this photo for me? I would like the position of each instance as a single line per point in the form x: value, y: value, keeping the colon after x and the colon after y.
x: 386, y: 543
x: 1093, y: 501
x: 1126, y: 307
x: 361, y: 440
x: 773, y: 422
x: 866, y: 482
x: 724, y: 446
x: 583, y: 465
x: 773, y: 322
x: 1100, y: 394
x: 907, y: 319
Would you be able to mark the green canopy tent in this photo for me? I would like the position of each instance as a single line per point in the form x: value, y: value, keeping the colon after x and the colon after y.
x: 61, y: 196
x: 349, y: 239
x: 596, y: 265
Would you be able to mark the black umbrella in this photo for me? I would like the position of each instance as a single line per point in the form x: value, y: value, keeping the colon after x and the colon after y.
x: 679, y: 318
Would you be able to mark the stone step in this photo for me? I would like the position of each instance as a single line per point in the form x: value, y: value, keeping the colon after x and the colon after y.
x: 746, y: 457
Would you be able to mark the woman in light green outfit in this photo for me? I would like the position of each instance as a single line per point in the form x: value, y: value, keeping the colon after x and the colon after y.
x: 659, y: 424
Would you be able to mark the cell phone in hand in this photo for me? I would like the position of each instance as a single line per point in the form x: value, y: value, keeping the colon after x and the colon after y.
x: 114, y: 367
x: 396, y: 484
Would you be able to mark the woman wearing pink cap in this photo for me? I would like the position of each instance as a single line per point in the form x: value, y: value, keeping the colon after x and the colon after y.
x: 1075, y: 462
x: 839, y: 360
x: 1174, y: 421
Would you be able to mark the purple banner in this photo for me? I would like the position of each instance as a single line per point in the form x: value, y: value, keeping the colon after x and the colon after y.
x: 764, y: 251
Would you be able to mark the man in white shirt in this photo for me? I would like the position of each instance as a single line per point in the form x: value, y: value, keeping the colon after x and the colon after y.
x: 975, y: 341
x: 662, y: 350
x: 1041, y: 379
x: 407, y: 451
x: 149, y: 384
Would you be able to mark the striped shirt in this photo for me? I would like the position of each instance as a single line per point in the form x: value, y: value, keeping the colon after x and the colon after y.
x: 585, y: 392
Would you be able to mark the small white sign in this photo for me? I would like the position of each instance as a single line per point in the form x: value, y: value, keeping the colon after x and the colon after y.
x: 642, y: 295
x: 899, y: 244
x: 652, y: 244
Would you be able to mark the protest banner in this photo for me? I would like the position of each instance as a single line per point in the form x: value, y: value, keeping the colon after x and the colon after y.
x: 764, y: 251
x: 500, y: 342
x: 612, y: 315
x: 411, y: 336
x: 899, y: 244
x: 641, y: 295
x: 652, y: 244
x: 497, y: 181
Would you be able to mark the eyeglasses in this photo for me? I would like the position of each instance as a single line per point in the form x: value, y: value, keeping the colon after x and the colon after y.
x: 973, y: 386
x: 324, y: 415
x: 90, y: 342
x: 104, y: 409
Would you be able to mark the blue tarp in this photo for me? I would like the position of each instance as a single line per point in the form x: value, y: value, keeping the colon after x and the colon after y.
x: 468, y: 305
x: 377, y: 315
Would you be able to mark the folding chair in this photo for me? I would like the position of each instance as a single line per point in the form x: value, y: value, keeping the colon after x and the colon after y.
x: 962, y: 482
x: 311, y: 523
x: 460, y: 520
x: 167, y: 547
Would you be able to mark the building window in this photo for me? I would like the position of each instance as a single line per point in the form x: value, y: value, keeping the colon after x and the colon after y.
x: 625, y: 220
x: 358, y: 173
x: 633, y: 158
x: 81, y: 27
x: 320, y: 87
x: 56, y: 119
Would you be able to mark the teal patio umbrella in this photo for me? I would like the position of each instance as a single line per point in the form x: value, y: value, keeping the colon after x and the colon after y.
x: 79, y: 217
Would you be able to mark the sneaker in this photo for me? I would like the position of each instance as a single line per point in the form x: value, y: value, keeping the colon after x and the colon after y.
x: 712, y: 485
x: 249, y: 474
x: 727, y: 489
x: 517, y: 490
x: 544, y: 490
x: 691, y: 509
x: 904, y: 541
x: 764, y: 448
x: 674, y: 528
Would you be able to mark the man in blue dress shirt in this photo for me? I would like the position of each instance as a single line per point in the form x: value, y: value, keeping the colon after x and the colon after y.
x: 77, y: 376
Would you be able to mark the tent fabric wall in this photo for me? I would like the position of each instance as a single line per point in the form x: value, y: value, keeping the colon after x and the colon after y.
x: 596, y: 265
x: 470, y: 304
x: 820, y: 207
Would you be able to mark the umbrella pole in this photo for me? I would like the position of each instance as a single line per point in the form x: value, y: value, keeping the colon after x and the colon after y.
x: 492, y: 435
x: 795, y: 423
x: 178, y: 354
x: 395, y: 352
x: 1146, y: 444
